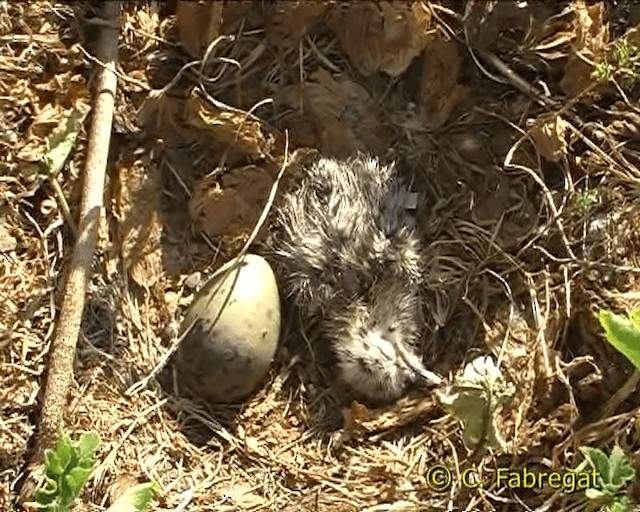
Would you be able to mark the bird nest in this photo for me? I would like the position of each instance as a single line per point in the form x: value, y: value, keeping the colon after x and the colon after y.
x: 528, y: 170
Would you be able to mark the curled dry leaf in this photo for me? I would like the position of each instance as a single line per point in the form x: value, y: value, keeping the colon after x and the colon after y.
x: 120, y: 484
x: 554, y: 37
x: 626, y: 126
x: 231, y: 204
x: 139, y: 227
x: 550, y: 137
x: 439, y: 91
x: 353, y: 418
x: 405, y: 412
x: 356, y: 415
x: 244, y: 496
x: 163, y: 114
x: 8, y: 242
x: 199, y: 25
x: 76, y: 92
x: 147, y: 20
x: 485, y: 21
x: 591, y: 38
x: 332, y: 113
x: 288, y: 22
x: 500, y: 196
x: 48, y: 126
x: 382, y: 36
x: 236, y: 128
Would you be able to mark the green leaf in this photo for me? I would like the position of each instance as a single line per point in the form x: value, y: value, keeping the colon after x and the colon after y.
x: 621, y: 471
x: 474, y: 399
x: 67, y: 469
x: 87, y: 446
x: 76, y: 478
x: 619, y: 504
x: 136, y: 498
x: 623, y: 334
x: 634, y: 316
x: 61, y: 143
x: 64, y: 451
x: 598, y: 461
x: 615, y: 472
x: 602, y: 71
x: 594, y: 494
x: 47, y: 492
x: 53, y: 464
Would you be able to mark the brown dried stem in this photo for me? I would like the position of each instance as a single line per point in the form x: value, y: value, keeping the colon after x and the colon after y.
x: 63, y: 348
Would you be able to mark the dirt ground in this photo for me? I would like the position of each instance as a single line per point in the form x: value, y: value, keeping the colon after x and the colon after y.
x: 527, y: 167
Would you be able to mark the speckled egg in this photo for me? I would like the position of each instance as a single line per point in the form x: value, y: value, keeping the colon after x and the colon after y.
x: 236, y: 326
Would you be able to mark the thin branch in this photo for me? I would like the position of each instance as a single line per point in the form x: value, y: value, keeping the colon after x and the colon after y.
x: 63, y: 347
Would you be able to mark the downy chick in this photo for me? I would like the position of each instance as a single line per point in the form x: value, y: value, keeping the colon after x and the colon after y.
x: 348, y: 251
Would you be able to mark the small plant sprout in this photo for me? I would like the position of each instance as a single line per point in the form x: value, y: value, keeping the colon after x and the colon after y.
x: 67, y: 469
x: 624, y: 65
x: 136, y: 498
x: 623, y: 333
x: 614, y: 473
x: 60, y: 146
x: 474, y: 399
x: 583, y: 201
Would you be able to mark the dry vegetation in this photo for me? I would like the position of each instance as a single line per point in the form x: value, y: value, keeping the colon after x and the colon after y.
x: 530, y: 201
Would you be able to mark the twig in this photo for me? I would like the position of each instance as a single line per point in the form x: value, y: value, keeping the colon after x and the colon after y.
x: 63, y: 348
x: 64, y: 205
x: 141, y: 384
x: 618, y: 164
x: 628, y: 388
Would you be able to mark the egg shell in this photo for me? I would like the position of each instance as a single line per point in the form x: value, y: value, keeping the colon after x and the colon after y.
x: 236, y: 326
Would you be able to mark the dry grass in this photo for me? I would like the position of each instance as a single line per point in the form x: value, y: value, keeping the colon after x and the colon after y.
x: 517, y: 267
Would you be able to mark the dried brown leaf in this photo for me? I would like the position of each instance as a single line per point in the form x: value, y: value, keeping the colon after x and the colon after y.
x: 8, y: 242
x: 591, y: 39
x: 143, y: 19
x: 231, y: 204
x: 485, y: 21
x: 627, y: 126
x: 550, y: 137
x: 162, y: 114
x: 440, y: 93
x: 244, y: 497
x: 139, y: 226
x: 555, y: 35
x: 335, y: 112
x: 76, y: 92
x: 230, y: 126
x: 383, y: 36
x: 50, y: 118
x: 199, y: 24
x: 288, y: 22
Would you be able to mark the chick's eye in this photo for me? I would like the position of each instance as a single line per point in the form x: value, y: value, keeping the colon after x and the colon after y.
x: 392, y: 328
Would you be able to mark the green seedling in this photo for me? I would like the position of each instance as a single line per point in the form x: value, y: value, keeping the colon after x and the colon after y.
x: 67, y: 469
x: 59, y: 147
x: 614, y: 473
x: 136, y: 498
x: 583, y: 201
x: 623, y: 333
x: 60, y: 144
x: 474, y: 399
x: 624, y: 65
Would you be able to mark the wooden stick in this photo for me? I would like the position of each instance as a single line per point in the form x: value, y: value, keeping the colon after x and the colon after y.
x: 63, y: 348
